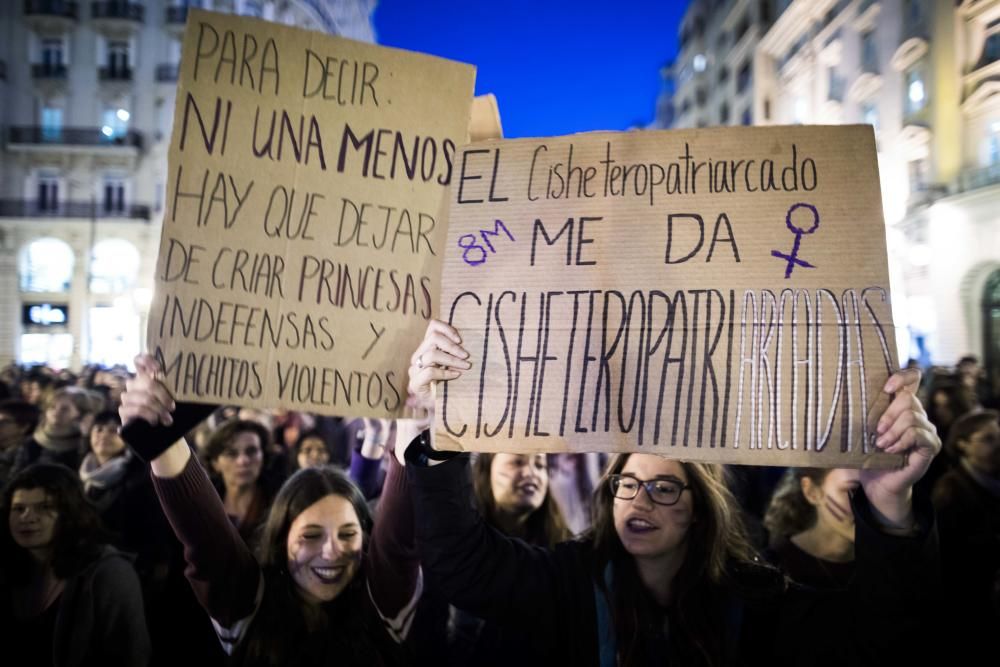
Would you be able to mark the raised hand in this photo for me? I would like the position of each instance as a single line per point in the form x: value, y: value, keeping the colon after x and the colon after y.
x: 440, y: 356
x: 902, y: 429
x: 145, y: 396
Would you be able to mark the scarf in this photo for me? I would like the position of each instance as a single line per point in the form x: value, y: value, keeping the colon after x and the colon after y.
x: 60, y: 443
x: 97, y: 476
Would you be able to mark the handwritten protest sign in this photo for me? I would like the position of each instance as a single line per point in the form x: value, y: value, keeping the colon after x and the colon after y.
x: 717, y: 295
x: 305, y: 217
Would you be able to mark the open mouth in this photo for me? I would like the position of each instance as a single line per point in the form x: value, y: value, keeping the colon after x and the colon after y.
x: 528, y: 489
x: 330, y: 575
x: 638, y: 525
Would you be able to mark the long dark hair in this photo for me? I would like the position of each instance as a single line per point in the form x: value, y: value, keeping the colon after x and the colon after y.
x: 715, y: 541
x: 545, y: 527
x: 77, y: 537
x: 295, y: 631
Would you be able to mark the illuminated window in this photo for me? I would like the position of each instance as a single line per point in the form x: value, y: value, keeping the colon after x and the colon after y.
x: 114, y: 334
x: 114, y: 266
x: 916, y: 94
x: 53, y: 350
x: 46, y: 266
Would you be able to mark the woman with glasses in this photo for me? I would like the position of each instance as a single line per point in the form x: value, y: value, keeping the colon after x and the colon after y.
x: 666, y: 574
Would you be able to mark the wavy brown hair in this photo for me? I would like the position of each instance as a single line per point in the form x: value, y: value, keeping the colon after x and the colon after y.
x: 790, y: 512
x: 715, y: 542
x: 545, y: 527
x: 78, y: 537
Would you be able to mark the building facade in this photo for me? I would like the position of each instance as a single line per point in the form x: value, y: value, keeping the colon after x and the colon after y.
x: 712, y: 79
x: 923, y: 74
x: 926, y: 75
x: 88, y: 99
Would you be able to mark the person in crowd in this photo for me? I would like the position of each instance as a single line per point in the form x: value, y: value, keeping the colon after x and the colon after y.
x: 35, y: 387
x: 117, y: 483
x: 66, y: 597
x: 327, y: 586
x: 947, y: 400
x: 666, y: 575
x: 311, y: 451
x: 512, y: 494
x: 572, y: 479
x: 967, y: 501
x: 105, y: 464
x: 18, y: 420
x: 811, y: 526
x: 59, y: 436
x: 235, y: 457
x: 973, y: 378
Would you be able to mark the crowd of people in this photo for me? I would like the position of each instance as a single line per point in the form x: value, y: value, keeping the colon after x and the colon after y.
x: 288, y: 538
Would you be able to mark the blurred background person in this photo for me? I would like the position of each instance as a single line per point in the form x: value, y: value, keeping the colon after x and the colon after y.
x: 235, y: 457
x: 811, y: 526
x: 18, y: 420
x: 967, y: 503
x: 59, y: 436
x: 68, y: 598
x: 513, y: 495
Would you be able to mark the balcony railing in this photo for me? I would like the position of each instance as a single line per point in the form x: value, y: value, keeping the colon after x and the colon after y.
x: 71, y: 136
x: 48, y: 71
x: 115, y: 73
x: 177, y: 15
x: 981, y: 177
x: 166, y: 73
x: 32, y: 208
x: 118, y: 9
x: 57, y: 8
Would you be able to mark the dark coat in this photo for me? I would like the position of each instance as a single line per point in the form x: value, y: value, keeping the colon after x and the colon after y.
x: 969, y: 519
x: 551, y: 594
x: 100, y: 618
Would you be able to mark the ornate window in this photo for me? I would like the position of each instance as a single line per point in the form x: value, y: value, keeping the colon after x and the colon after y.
x: 114, y: 266
x: 46, y: 266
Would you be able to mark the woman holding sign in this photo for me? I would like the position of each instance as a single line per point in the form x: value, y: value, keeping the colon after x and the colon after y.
x: 326, y: 587
x: 667, y: 576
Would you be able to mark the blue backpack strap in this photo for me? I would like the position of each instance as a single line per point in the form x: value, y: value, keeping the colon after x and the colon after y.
x: 607, y: 645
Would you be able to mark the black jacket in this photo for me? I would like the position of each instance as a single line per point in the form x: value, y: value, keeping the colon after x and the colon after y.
x: 551, y: 594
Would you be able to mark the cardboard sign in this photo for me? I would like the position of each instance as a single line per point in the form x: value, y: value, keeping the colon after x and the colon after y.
x: 718, y: 295
x: 305, y: 216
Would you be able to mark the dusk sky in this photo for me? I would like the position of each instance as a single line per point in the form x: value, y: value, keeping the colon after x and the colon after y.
x: 556, y: 66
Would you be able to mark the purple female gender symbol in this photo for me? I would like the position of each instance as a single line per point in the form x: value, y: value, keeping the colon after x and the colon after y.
x: 793, y: 256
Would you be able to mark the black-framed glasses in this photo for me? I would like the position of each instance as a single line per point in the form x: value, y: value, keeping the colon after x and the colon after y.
x: 660, y: 491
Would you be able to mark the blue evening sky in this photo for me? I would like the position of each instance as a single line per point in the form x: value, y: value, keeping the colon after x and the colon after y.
x: 556, y: 66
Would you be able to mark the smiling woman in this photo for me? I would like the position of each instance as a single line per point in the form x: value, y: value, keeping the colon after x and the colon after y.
x: 326, y: 587
x: 667, y: 576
